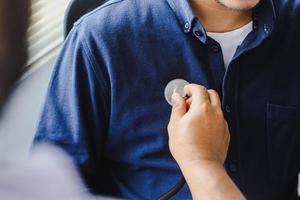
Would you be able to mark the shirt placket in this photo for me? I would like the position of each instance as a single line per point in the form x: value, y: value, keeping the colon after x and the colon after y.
x: 227, y: 88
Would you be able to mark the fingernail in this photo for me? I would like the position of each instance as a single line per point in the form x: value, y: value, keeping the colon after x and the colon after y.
x: 175, y: 98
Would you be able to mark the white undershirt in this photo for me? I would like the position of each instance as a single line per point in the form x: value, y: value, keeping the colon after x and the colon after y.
x: 229, y: 41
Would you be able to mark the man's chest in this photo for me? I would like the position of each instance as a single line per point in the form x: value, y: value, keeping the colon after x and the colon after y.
x: 252, y: 82
x: 259, y: 97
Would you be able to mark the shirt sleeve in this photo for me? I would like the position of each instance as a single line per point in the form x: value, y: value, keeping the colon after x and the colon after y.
x: 76, y: 109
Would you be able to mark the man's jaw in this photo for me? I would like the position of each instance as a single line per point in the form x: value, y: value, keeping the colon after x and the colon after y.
x: 238, y: 5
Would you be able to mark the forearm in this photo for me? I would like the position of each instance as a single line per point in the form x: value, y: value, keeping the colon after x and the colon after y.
x: 210, y: 181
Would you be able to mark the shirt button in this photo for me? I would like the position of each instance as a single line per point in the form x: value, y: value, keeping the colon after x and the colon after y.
x: 187, y: 26
x: 227, y: 109
x: 215, y: 48
x: 232, y: 168
x: 266, y: 28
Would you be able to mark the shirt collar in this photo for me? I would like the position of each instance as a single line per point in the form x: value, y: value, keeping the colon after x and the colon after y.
x: 264, y: 16
x: 184, y: 13
x: 264, y: 11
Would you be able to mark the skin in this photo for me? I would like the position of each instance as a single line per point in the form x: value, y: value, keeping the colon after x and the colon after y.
x: 14, y: 20
x: 223, y: 15
x: 198, y: 140
x: 238, y: 5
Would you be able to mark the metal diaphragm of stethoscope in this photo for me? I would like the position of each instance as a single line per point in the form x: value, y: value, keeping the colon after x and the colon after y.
x: 176, y: 85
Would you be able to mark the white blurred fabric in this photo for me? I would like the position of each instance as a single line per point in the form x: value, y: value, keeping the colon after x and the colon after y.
x: 48, y: 174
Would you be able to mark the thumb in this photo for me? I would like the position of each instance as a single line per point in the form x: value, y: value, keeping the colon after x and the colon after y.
x: 179, y: 107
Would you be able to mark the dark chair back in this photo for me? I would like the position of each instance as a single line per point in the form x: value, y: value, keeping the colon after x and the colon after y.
x: 76, y: 9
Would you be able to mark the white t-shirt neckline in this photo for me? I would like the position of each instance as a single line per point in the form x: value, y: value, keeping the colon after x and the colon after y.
x: 229, y: 41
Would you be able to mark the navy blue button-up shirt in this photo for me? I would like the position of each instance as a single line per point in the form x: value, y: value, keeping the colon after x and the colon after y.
x: 106, y: 107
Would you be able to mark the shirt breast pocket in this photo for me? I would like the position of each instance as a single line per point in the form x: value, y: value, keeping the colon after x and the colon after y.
x: 283, y: 125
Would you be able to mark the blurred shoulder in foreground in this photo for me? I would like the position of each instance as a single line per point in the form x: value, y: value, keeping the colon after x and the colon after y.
x: 46, y: 175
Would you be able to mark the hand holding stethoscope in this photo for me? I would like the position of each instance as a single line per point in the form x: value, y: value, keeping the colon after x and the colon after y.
x: 198, y: 139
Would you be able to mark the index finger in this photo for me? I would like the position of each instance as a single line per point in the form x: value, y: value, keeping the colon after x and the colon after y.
x: 198, y: 93
x: 214, y: 98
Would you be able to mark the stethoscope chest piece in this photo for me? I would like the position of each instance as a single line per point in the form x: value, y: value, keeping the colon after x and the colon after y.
x: 176, y: 85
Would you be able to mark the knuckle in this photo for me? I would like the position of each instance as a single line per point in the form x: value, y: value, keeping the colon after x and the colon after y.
x: 180, y: 103
x: 189, y: 86
x: 200, y: 88
x: 219, y: 113
x: 205, y: 107
x: 195, y: 87
x: 170, y: 126
x: 212, y: 91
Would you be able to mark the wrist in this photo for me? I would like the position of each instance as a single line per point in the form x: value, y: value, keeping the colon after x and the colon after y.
x: 206, y: 175
x: 201, y: 165
x: 209, y: 180
x: 204, y: 168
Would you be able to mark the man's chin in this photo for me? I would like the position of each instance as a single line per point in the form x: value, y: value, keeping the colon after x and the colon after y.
x: 239, y: 5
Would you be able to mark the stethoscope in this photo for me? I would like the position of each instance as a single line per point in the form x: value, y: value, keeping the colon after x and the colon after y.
x: 176, y: 85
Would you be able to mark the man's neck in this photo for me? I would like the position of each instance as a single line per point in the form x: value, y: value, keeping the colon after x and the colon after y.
x: 217, y: 18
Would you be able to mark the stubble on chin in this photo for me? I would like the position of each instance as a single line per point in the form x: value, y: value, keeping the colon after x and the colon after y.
x: 238, y: 7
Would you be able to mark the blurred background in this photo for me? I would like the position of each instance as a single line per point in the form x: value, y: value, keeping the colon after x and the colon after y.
x: 45, y: 39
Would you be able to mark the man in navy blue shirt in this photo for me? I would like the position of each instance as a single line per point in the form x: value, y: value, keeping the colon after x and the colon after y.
x: 106, y: 106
